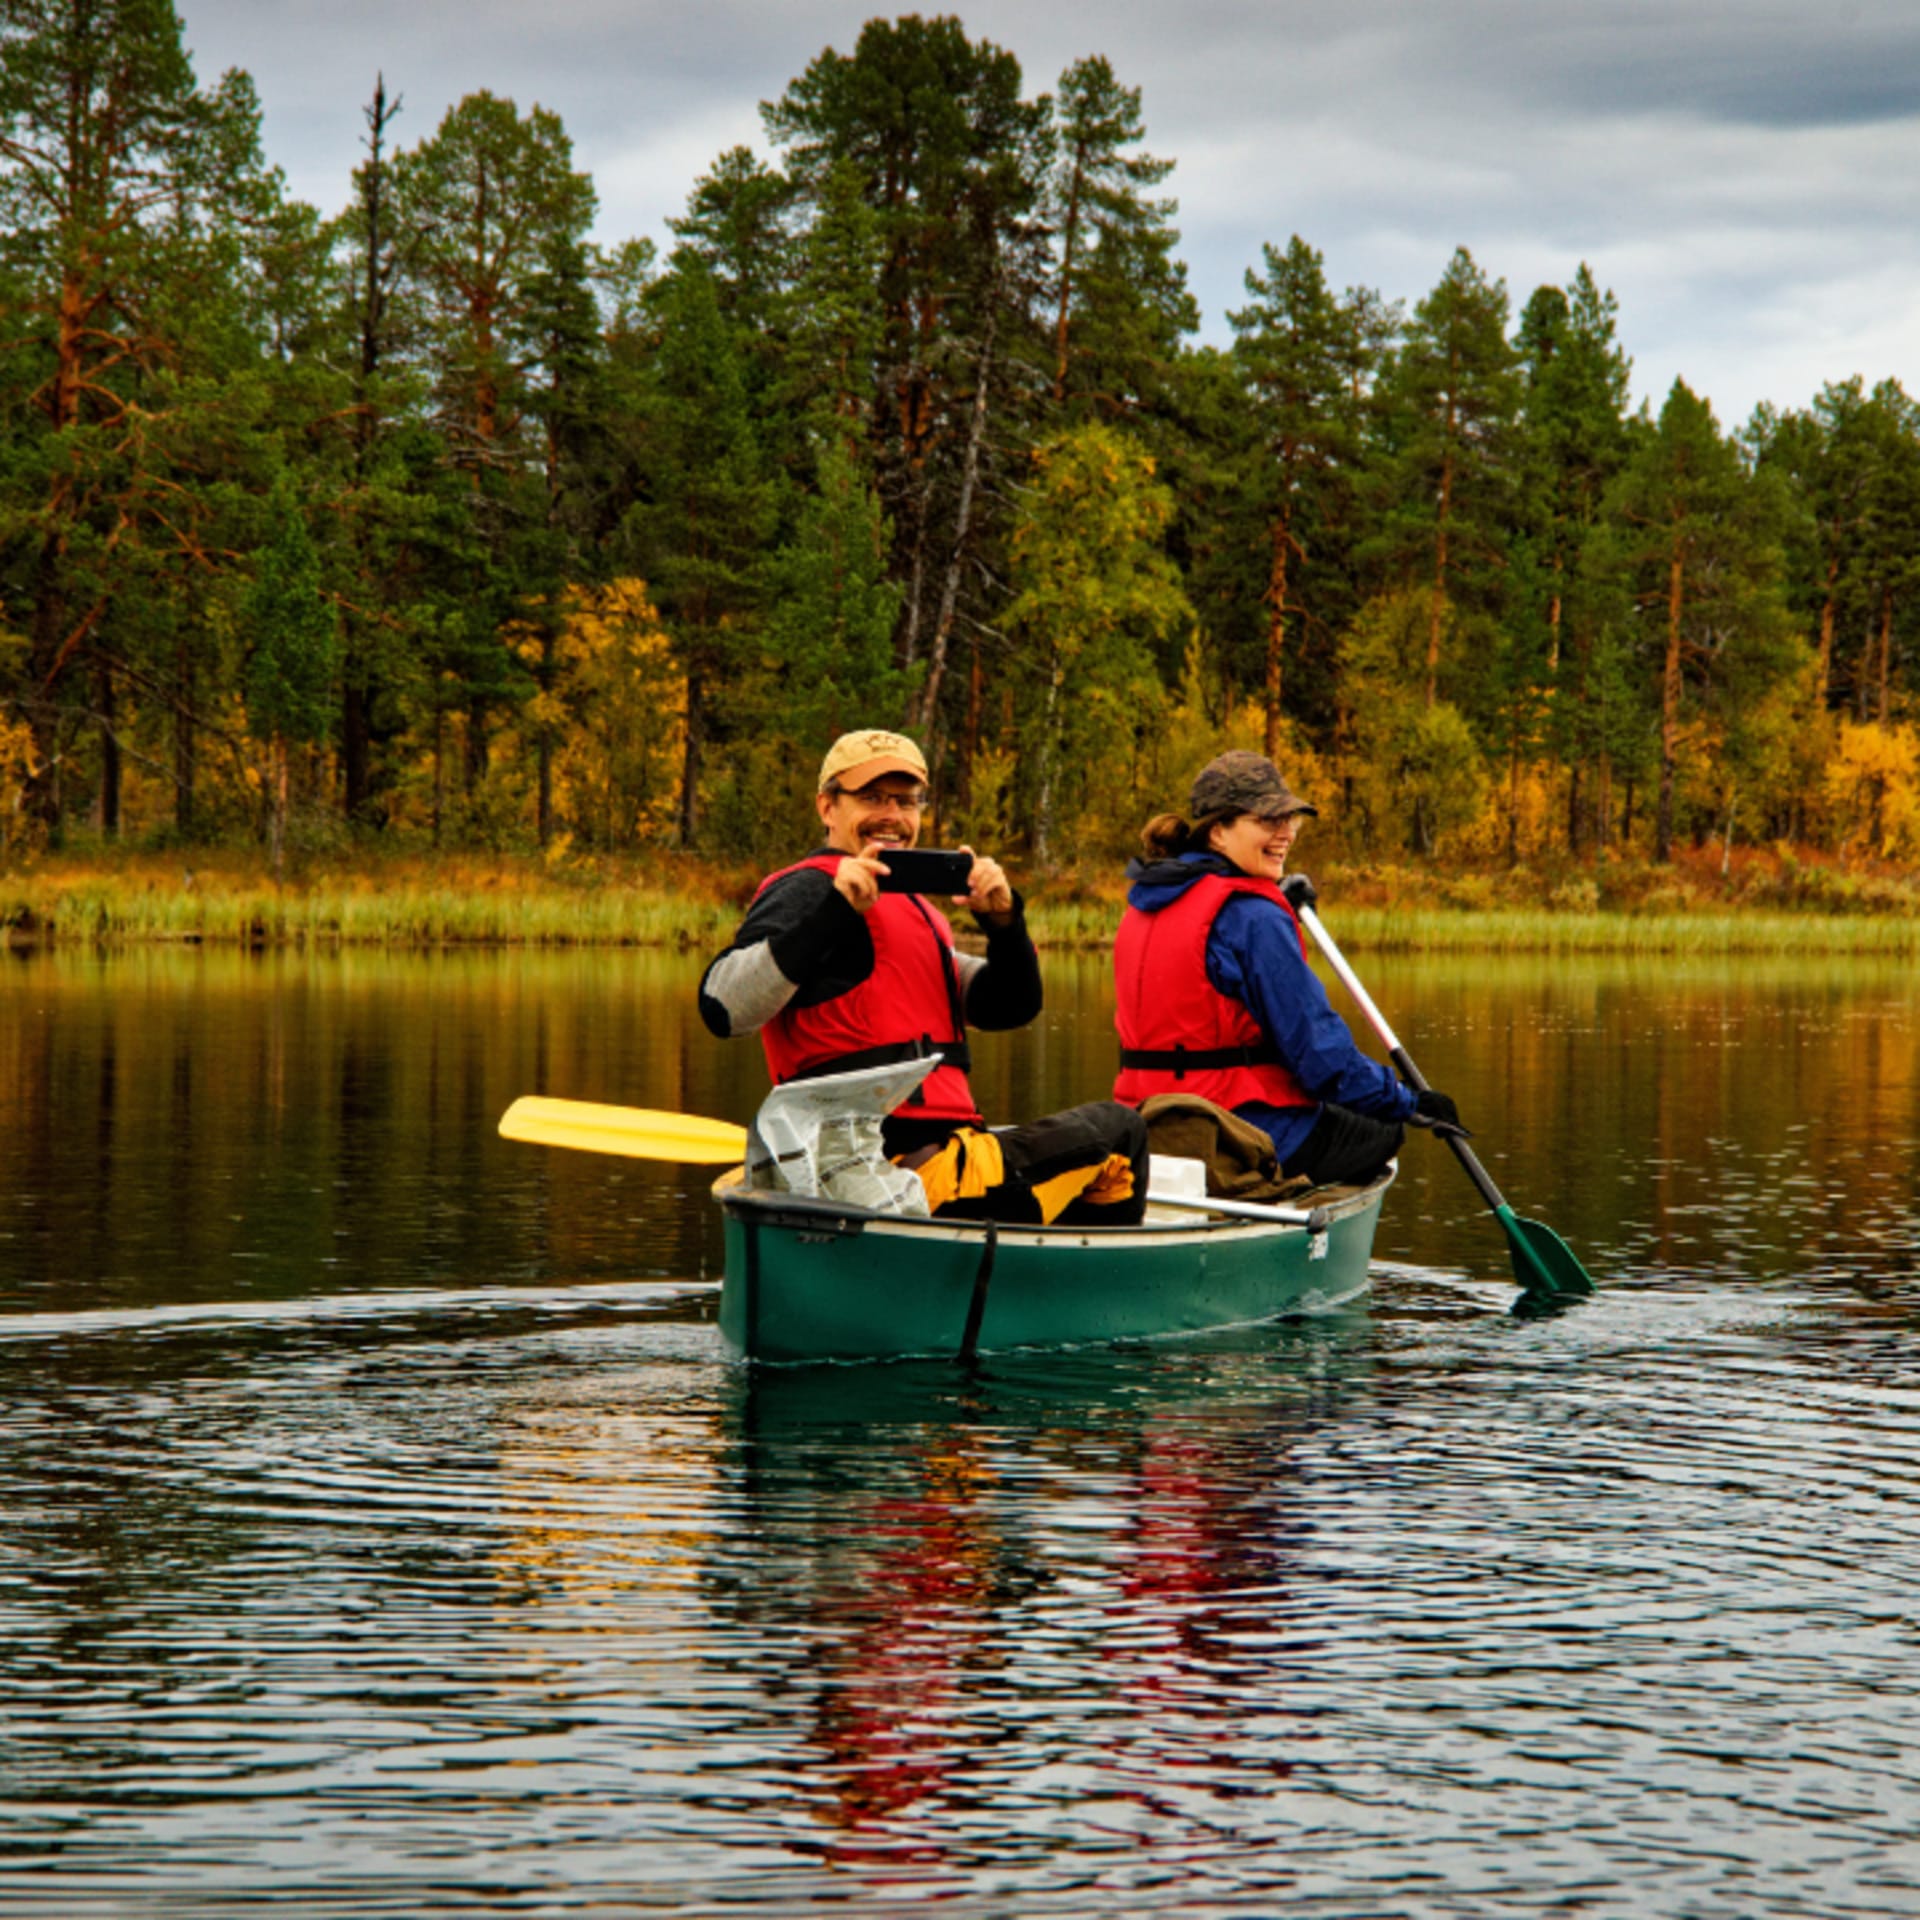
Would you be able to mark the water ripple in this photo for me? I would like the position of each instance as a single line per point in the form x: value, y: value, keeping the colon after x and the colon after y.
x: 1421, y: 1608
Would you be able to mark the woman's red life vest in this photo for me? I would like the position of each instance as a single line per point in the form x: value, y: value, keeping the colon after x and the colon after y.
x: 910, y: 1003
x: 1178, y: 1032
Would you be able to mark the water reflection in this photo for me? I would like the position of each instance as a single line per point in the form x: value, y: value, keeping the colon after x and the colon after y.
x: 203, y: 1125
x: 387, y: 1527
x: 217, y: 1126
x: 1087, y: 1565
x: 191, y: 1125
x: 539, y: 1596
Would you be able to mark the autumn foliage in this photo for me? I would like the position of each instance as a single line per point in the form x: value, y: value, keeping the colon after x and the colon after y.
x: 431, y: 522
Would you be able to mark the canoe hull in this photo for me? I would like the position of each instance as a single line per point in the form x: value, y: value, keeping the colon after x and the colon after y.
x: 807, y: 1280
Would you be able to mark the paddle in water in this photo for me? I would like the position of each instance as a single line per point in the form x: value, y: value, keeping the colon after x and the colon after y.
x: 1544, y: 1265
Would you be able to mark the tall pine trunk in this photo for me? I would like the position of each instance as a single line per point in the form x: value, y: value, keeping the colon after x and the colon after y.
x: 186, y: 746
x: 356, y: 751
x: 1670, y: 704
x: 277, y: 804
x: 969, y: 479
x: 1885, y: 674
x: 1283, y: 544
x: 693, y: 755
x: 1437, y: 613
x: 109, y: 752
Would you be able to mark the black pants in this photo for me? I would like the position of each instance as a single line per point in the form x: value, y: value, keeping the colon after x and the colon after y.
x: 1345, y: 1149
x: 1055, y: 1148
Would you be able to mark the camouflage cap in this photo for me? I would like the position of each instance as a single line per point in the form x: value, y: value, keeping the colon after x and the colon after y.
x: 1241, y: 782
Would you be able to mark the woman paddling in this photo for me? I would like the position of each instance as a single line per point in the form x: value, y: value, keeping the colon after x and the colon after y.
x: 1215, y: 996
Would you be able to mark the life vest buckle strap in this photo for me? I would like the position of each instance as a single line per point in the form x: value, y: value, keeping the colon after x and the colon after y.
x: 1180, y: 1061
x: 953, y: 1053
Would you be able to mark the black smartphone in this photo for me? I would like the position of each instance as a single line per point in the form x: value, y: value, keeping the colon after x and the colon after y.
x: 924, y: 870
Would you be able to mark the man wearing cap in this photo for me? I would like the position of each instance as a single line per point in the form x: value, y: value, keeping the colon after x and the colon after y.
x: 1215, y: 996
x: 835, y: 975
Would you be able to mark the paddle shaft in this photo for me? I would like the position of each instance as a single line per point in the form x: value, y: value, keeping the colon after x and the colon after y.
x: 1402, y: 1060
x: 1314, y: 1219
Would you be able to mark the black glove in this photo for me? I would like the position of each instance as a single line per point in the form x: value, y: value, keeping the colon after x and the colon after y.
x: 1297, y: 891
x: 1434, y: 1109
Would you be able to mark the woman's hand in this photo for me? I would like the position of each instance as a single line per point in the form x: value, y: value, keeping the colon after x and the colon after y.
x: 1434, y: 1109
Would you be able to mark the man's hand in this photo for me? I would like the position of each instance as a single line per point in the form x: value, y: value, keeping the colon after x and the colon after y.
x: 989, y: 891
x: 857, y: 879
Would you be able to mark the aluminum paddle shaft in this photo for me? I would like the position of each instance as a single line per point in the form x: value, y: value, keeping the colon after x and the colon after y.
x: 1543, y: 1264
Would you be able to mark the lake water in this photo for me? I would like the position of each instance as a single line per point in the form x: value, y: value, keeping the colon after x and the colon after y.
x: 388, y: 1532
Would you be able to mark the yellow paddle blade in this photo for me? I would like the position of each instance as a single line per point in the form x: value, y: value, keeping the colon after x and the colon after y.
x: 639, y: 1132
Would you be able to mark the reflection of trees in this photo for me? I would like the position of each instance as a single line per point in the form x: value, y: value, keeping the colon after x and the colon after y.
x: 222, y: 1125
x: 1750, y: 1116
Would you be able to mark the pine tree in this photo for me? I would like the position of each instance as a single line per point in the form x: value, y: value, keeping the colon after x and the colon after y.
x: 123, y: 186
x: 483, y: 206
x: 1891, y: 558
x: 834, y: 327
x: 561, y: 548
x: 1299, y: 348
x: 292, y: 652
x: 951, y: 160
x: 832, y: 608
x: 377, y: 320
x: 738, y: 227
x: 699, y: 532
x: 1693, y: 544
x: 1572, y: 442
x: 1455, y: 395
x: 1215, y: 466
x: 1121, y: 305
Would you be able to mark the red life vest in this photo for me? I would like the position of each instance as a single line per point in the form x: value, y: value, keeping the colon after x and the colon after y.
x: 910, y: 1003
x: 1178, y: 1032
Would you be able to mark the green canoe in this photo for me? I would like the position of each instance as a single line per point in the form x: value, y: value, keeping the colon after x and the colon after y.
x: 817, y: 1280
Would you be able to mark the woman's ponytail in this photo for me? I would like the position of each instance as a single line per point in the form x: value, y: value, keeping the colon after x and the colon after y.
x: 1165, y: 836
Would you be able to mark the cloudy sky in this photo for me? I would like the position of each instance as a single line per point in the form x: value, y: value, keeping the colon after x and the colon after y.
x: 1744, y: 174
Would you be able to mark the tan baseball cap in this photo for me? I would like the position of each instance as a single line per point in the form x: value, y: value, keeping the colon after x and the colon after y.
x: 856, y: 758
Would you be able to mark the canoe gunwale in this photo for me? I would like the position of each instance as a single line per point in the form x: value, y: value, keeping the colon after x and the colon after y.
x: 813, y: 1215
x: 841, y: 1220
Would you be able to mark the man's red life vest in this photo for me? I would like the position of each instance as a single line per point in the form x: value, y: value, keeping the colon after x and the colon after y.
x: 1178, y: 1032
x: 909, y: 1004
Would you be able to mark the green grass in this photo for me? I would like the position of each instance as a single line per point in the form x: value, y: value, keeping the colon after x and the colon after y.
x: 111, y: 910
x: 1543, y: 930
x: 415, y: 904
x: 1540, y: 930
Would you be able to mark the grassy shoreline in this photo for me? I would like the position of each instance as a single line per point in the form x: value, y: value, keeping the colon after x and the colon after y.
x: 1785, y: 907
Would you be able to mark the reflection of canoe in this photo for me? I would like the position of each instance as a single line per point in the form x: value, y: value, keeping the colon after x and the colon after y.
x: 817, y: 1280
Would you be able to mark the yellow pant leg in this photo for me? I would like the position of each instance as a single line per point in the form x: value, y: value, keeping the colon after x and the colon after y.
x: 963, y: 1168
x: 1104, y: 1185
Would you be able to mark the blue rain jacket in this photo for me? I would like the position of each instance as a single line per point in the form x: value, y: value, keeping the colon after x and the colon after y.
x: 1253, y: 956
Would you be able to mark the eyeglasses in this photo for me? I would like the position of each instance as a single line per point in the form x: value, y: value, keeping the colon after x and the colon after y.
x: 912, y: 799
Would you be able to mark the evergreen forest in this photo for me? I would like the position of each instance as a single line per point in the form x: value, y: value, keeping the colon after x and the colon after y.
x: 427, y: 520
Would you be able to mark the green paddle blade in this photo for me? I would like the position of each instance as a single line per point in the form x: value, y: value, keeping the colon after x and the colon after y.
x: 1549, y: 1276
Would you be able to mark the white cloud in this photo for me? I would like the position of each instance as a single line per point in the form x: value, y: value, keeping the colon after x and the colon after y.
x: 1738, y: 171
